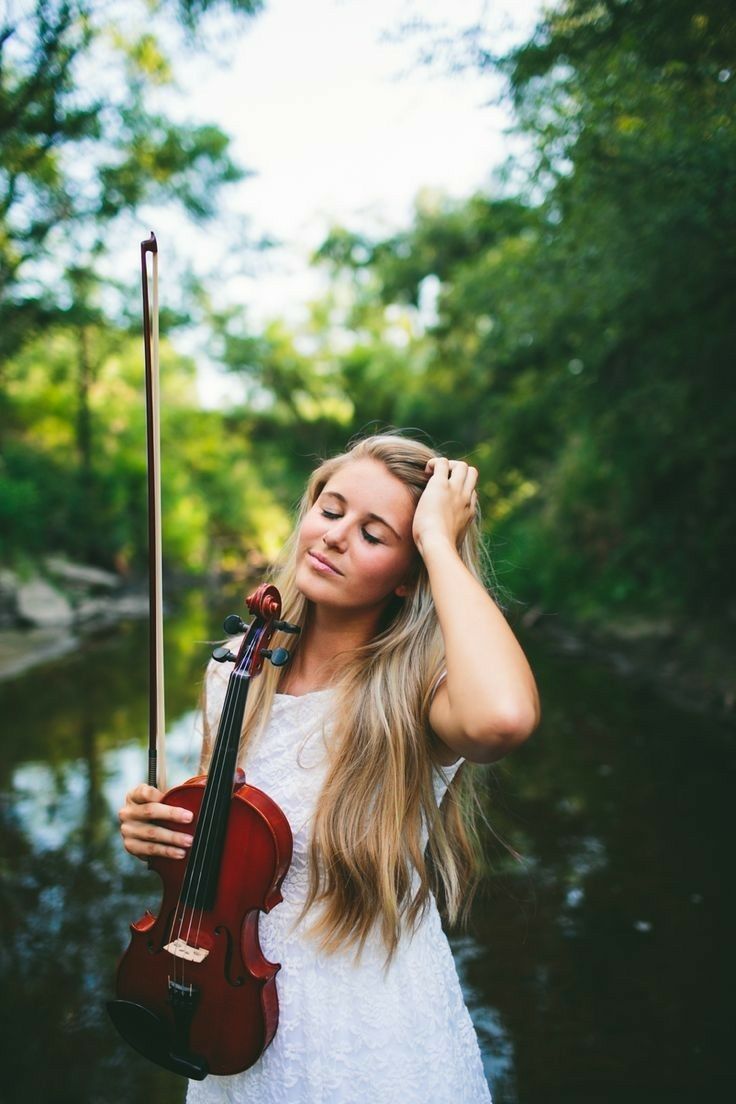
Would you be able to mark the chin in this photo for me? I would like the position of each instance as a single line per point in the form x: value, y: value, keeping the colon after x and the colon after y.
x: 313, y: 589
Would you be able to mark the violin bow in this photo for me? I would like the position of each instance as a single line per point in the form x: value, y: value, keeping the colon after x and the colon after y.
x: 156, y: 725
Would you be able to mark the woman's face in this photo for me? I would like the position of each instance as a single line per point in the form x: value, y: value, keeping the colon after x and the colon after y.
x: 355, y: 548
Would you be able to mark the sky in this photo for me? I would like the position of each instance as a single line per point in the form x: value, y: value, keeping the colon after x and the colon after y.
x: 339, y: 125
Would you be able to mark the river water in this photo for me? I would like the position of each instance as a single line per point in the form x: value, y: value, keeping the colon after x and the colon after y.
x: 598, y: 965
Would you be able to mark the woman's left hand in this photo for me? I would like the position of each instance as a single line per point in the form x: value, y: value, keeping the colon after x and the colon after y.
x: 448, y: 503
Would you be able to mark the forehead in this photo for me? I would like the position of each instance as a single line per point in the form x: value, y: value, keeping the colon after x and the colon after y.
x: 370, y: 488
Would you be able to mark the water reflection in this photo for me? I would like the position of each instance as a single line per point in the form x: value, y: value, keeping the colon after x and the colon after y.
x: 598, y: 966
x: 69, y: 892
x: 51, y: 804
x: 496, y: 1042
x: 607, y: 951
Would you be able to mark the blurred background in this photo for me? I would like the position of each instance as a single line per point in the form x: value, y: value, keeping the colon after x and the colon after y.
x: 507, y: 226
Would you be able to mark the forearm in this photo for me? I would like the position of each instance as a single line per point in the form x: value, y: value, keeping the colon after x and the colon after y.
x: 490, y: 686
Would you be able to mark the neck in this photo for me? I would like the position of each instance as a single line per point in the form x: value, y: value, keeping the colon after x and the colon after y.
x: 328, y: 638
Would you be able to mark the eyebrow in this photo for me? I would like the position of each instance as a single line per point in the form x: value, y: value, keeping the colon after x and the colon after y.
x: 371, y: 516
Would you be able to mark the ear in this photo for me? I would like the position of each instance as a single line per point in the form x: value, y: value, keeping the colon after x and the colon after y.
x: 403, y: 590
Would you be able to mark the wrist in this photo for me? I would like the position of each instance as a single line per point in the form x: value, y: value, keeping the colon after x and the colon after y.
x: 435, y: 545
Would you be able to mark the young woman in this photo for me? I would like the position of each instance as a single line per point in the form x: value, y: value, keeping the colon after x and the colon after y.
x: 405, y: 670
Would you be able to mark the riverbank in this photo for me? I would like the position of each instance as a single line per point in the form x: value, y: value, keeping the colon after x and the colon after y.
x: 46, y: 613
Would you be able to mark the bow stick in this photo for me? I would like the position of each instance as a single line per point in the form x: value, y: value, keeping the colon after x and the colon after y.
x: 156, y: 728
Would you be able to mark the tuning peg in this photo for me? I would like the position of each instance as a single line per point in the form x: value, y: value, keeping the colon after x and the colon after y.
x: 233, y: 624
x: 285, y: 626
x: 223, y: 655
x: 278, y: 657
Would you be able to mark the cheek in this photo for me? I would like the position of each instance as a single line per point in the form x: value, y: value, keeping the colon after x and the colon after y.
x: 382, y: 574
x: 308, y: 531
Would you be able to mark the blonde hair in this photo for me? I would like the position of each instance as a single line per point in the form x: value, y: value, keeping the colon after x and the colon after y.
x: 368, y: 869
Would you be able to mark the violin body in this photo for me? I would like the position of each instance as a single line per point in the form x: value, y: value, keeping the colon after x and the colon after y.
x: 195, y: 993
x: 232, y: 1013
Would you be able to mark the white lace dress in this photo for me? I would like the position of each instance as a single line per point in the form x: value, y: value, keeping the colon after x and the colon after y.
x: 348, y: 1033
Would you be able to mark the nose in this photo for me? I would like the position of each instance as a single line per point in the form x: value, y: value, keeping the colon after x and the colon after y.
x: 335, y: 534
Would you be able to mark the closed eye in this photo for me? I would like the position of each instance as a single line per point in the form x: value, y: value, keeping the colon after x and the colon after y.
x: 369, y: 537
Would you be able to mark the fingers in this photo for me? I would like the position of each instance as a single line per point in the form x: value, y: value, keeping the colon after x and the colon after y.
x: 154, y: 810
x: 458, y: 471
x: 438, y: 465
x: 471, y: 480
x: 461, y: 475
x: 145, y: 840
x: 143, y: 834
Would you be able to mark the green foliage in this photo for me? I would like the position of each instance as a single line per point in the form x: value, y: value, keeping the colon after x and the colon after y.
x: 190, y: 12
x: 574, y: 339
x: 583, y: 337
x: 215, y: 504
x: 81, y: 143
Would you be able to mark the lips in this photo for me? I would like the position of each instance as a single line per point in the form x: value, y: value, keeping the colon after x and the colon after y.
x: 319, y: 563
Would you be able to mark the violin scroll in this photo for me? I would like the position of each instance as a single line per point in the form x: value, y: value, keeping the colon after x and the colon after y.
x: 265, y: 605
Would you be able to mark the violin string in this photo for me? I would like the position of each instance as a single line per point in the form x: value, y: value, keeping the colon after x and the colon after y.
x: 202, y: 859
x: 196, y: 861
x: 200, y: 840
x: 196, y: 864
x: 216, y: 810
x: 242, y: 688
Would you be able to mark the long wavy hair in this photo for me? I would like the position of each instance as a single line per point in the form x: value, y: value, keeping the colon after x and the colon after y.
x: 368, y: 866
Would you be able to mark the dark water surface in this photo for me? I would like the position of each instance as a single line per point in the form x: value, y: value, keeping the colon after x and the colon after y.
x: 598, y: 968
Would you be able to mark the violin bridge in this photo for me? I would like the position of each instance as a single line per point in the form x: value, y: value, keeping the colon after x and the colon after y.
x: 181, y: 949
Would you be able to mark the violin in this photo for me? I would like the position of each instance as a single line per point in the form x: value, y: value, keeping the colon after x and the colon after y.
x: 194, y: 992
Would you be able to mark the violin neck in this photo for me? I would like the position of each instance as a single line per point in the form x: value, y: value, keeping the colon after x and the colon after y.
x: 199, y: 888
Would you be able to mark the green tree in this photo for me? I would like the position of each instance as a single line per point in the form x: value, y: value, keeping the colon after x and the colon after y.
x: 584, y: 328
x: 81, y: 142
x: 84, y: 141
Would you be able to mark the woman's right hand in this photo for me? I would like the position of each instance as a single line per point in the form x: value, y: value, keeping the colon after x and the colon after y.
x: 142, y: 837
